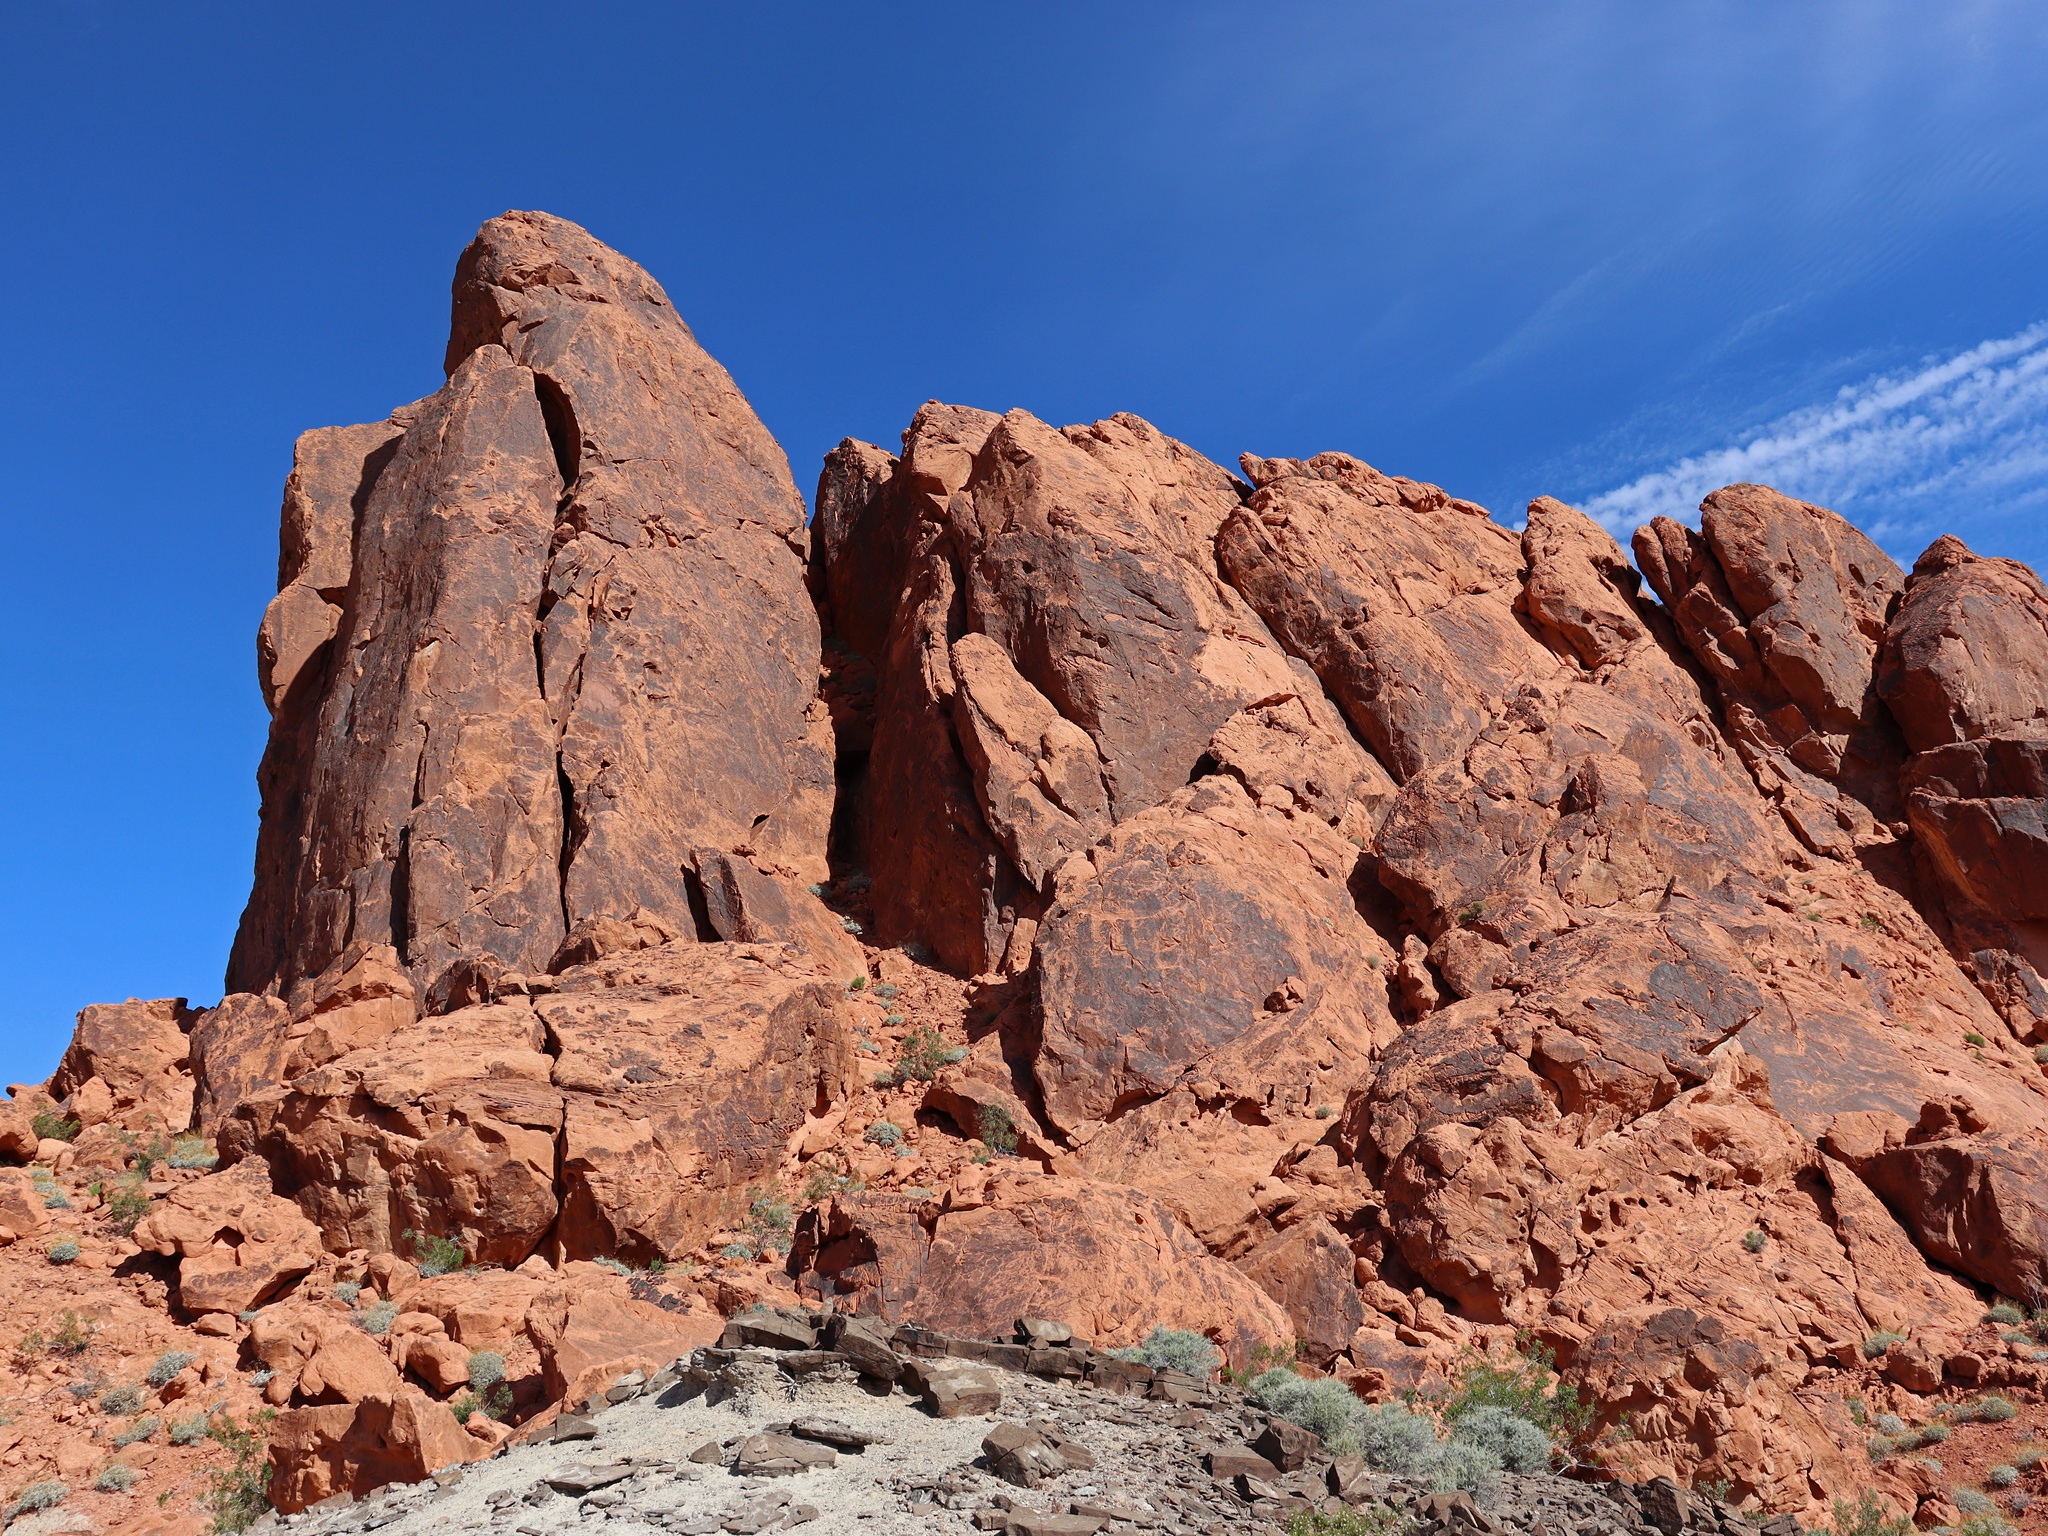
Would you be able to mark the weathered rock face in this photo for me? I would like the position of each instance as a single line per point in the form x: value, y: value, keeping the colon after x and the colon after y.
x: 1400, y: 597
x: 1327, y: 919
x: 1784, y: 604
x: 1964, y: 669
x: 537, y: 694
x: 1110, y: 1262
x: 622, y: 1115
x: 1060, y: 650
x: 129, y: 1064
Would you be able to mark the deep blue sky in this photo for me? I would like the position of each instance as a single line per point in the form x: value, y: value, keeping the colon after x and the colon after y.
x: 1514, y: 249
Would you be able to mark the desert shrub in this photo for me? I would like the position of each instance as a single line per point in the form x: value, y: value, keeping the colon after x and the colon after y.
x: 1868, y: 1516
x: 433, y: 1254
x: 998, y: 1130
x: 2029, y: 1457
x: 1989, y: 1409
x: 884, y: 1134
x: 1973, y: 1038
x: 486, y: 1369
x: 2002, y: 1476
x: 737, y: 1251
x: 1528, y: 1389
x: 1931, y: 1434
x: 192, y: 1152
x: 1464, y: 1464
x: 1986, y: 1524
x: 1372, y: 1520
x: 140, y: 1430
x: 62, y: 1252
x: 46, y: 1494
x: 239, y: 1493
x: 2005, y: 1314
x: 127, y: 1204
x: 1392, y: 1437
x: 121, y: 1399
x: 1175, y: 1349
x: 347, y: 1291
x: 188, y: 1431
x: 1516, y: 1444
x: 57, y: 1200
x: 1880, y: 1341
x: 2041, y: 1053
x: 886, y: 989
x: 118, y: 1478
x: 168, y: 1365
x: 1754, y: 1240
x: 616, y: 1266
x: 1323, y: 1406
x: 378, y: 1317
x: 924, y: 1052
x: 50, y: 1126
x: 1890, y: 1424
x: 1971, y: 1502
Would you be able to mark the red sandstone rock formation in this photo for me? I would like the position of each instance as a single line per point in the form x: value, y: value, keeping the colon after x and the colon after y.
x: 1296, y: 908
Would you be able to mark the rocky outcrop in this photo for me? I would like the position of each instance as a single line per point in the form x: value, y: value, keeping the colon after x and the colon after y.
x: 1113, y: 1260
x: 129, y: 1064
x: 535, y: 693
x: 1295, y: 908
x: 1784, y: 604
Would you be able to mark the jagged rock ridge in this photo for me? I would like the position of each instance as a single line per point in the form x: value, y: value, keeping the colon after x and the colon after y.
x: 1371, y: 929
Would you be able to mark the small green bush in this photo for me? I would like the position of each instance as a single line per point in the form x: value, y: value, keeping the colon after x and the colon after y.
x: 188, y: 1431
x: 886, y: 989
x: 192, y: 1152
x: 347, y: 1291
x: 127, y: 1204
x: 168, y: 1365
x: 1971, y: 1502
x: 57, y: 1200
x: 239, y: 1493
x: 1515, y: 1443
x: 1754, y: 1240
x: 1467, y: 916
x: 63, y: 1251
x: 2002, y: 1476
x: 1529, y: 1389
x: 1890, y: 1424
x: 141, y: 1429
x: 378, y: 1317
x: 1989, y: 1409
x: 1394, y: 1438
x: 923, y: 1055
x: 1175, y: 1349
x: 1323, y: 1406
x: 2041, y: 1053
x: 50, y: 1126
x: 1868, y: 1517
x: 1973, y: 1038
x: 737, y: 1251
x: 2005, y: 1314
x: 1465, y: 1465
x: 1880, y: 1341
x: 884, y: 1134
x: 118, y: 1478
x: 433, y: 1254
x: 121, y: 1400
x: 1372, y: 1520
x: 998, y: 1130
x: 1987, y: 1524
x: 616, y: 1266
x: 486, y: 1369
x: 47, y: 1494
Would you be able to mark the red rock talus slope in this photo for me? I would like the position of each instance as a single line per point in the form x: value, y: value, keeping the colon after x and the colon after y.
x: 1072, y: 879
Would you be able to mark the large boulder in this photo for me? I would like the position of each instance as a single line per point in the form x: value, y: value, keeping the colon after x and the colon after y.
x: 140, y: 1054
x: 1210, y: 939
x: 534, y: 692
x: 1110, y: 1262
x: 237, y: 1242
x: 353, y: 1448
x: 589, y: 1335
x: 1399, y: 596
x: 624, y: 1114
x: 1784, y: 604
x: 1965, y: 671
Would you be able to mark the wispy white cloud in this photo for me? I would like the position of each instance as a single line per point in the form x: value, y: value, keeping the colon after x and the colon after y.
x: 1956, y: 440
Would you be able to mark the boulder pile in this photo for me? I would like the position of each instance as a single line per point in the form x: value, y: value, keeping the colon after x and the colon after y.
x: 1068, y: 878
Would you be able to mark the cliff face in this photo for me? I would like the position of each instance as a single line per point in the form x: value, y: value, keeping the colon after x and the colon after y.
x: 1371, y: 928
